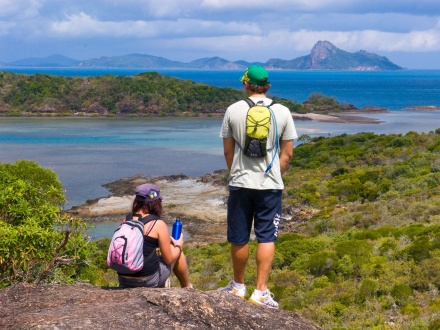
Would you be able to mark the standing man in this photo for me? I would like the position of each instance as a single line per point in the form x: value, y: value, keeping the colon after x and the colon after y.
x: 255, y: 185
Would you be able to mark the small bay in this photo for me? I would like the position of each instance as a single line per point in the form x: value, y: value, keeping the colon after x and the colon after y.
x: 87, y: 153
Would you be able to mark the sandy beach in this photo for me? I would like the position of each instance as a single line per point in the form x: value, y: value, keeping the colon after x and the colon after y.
x: 336, y: 118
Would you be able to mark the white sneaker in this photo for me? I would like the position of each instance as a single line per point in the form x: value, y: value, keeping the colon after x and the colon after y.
x: 230, y: 288
x: 266, y: 300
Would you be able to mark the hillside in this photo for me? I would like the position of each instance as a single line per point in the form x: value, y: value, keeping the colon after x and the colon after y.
x: 360, y: 234
x: 324, y: 56
x: 131, y: 61
x: 360, y: 243
x: 55, y: 60
x: 146, y: 94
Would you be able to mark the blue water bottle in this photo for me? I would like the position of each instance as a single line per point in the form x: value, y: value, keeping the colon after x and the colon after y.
x: 177, y: 229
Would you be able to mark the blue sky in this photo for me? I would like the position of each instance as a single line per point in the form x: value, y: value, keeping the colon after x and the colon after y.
x: 405, y: 31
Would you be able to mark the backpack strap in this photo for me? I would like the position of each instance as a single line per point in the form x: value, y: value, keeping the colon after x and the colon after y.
x: 129, y: 216
x: 252, y: 103
x: 150, y: 227
x: 144, y: 220
x: 249, y: 102
x: 149, y: 219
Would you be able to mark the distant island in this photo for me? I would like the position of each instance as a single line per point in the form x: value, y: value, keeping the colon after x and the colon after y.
x: 145, y: 94
x: 323, y: 56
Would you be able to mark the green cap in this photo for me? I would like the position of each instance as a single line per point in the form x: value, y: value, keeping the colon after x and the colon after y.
x: 256, y: 75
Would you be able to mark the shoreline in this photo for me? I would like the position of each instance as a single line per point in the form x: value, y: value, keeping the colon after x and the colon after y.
x: 349, y: 118
x: 346, y: 117
x: 199, y: 201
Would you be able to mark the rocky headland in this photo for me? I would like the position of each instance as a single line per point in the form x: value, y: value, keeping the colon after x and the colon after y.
x: 199, y: 201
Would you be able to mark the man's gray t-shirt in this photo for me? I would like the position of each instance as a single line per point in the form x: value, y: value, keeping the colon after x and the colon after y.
x: 248, y: 172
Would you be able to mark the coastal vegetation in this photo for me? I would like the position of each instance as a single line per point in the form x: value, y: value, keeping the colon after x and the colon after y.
x: 361, y: 250
x: 146, y: 94
x: 38, y: 242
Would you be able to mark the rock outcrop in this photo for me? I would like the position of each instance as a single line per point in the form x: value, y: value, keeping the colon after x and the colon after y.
x: 326, y: 56
x: 84, y: 306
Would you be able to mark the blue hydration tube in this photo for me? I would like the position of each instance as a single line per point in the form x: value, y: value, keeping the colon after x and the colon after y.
x: 277, y: 142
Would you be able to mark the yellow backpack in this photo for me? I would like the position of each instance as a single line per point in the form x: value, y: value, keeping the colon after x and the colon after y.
x: 258, y: 120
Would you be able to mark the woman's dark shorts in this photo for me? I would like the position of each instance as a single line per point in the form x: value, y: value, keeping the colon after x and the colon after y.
x: 157, y: 280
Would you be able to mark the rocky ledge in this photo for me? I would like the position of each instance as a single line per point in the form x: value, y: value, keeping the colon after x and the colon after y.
x: 199, y: 201
x: 84, y: 306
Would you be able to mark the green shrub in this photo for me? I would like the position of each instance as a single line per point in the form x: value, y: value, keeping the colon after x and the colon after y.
x: 38, y: 242
x: 401, y: 293
x: 322, y: 263
x: 367, y: 290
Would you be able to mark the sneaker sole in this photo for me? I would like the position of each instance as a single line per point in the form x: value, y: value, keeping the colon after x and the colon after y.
x: 234, y: 293
x: 255, y: 302
x: 242, y: 297
x: 237, y: 295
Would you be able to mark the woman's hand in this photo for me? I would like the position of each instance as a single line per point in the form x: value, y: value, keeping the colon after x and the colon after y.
x: 170, y: 248
x: 178, y: 241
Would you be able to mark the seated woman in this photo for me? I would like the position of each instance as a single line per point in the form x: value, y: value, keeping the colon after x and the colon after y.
x: 157, y: 269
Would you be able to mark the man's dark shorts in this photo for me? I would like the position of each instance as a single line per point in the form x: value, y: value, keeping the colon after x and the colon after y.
x: 247, y: 206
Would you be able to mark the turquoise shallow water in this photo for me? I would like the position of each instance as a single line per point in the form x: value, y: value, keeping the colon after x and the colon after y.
x: 87, y: 153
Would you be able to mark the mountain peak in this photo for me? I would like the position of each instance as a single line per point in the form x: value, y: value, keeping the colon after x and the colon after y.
x: 322, y: 50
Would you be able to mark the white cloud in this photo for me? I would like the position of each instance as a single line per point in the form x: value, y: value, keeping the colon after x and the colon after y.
x: 286, y: 44
x: 370, y: 40
x: 19, y: 9
x: 232, y: 8
x: 83, y: 25
x: 5, y: 27
x: 430, y: 7
x: 228, y: 28
x: 173, y: 8
x: 278, y: 5
x: 415, y: 41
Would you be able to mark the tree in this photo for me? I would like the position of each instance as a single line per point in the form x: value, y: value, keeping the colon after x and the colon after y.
x: 304, y: 138
x: 38, y: 242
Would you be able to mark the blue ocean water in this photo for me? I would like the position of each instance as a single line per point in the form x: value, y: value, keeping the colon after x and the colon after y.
x: 89, y: 152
